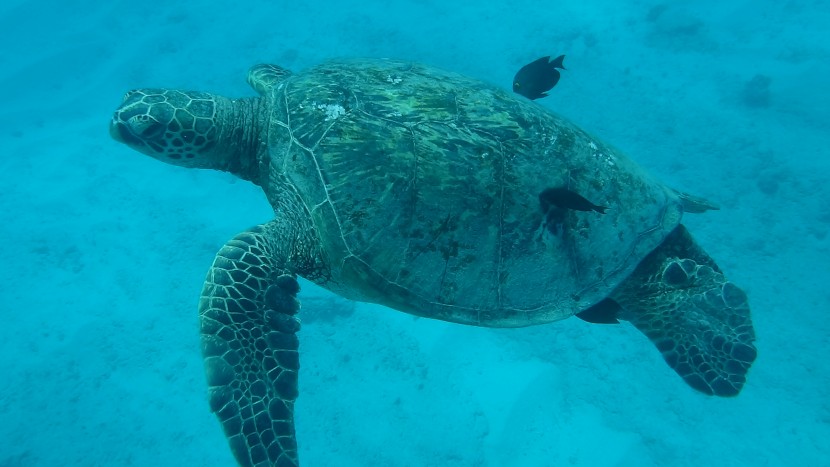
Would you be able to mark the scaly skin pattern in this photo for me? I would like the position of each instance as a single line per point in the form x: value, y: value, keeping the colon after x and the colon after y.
x: 699, y: 320
x: 249, y: 342
x: 415, y: 188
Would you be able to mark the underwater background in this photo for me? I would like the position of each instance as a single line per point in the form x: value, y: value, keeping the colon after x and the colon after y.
x: 105, y: 250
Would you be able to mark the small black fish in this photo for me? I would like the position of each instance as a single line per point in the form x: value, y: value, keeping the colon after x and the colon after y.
x: 566, y: 199
x: 535, y: 79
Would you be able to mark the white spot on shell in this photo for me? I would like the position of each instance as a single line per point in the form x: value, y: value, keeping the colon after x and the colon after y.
x: 607, y: 158
x: 333, y: 111
x: 592, y: 145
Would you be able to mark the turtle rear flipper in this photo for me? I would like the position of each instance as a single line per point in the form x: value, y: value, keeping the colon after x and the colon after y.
x: 700, y: 321
x: 250, y: 345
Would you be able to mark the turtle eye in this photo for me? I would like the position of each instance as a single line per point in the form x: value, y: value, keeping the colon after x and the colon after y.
x: 145, y: 127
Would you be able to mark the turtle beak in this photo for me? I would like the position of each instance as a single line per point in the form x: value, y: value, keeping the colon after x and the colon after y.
x: 116, y: 129
x: 135, y: 132
x: 120, y: 132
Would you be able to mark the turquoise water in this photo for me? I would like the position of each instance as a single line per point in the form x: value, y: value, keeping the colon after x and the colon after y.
x: 105, y: 250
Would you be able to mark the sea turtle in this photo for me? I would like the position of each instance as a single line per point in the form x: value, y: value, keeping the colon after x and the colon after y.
x: 438, y: 195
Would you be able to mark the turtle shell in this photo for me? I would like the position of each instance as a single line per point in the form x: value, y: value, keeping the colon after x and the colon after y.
x: 424, y: 189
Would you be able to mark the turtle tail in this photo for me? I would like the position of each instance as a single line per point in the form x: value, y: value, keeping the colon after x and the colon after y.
x: 695, y: 204
x: 699, y: 321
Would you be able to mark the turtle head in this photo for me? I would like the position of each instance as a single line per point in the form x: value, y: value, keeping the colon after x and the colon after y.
x: 172, y: 126
x: 188, y: 129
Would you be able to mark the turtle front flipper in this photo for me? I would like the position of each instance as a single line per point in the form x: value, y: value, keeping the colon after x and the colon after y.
x: 700, y: 321
x: 249, y: 344
x: 264, y: 77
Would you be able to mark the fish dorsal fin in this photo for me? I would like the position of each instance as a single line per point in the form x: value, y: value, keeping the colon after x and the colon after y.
x: 540, y: 61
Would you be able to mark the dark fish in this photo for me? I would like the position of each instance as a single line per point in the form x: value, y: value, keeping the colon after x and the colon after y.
x: 566, y: 199
x: 535, y: 79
